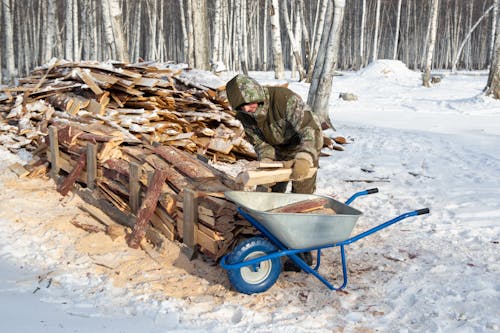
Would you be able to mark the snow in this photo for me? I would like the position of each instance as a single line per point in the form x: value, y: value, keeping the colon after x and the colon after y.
x: 422, y: 147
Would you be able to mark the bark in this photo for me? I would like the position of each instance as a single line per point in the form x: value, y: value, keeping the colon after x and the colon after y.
x: 396, y: 35
x: 108, y: 31
x: 426, y: 78
x: 375, y: 34
x: 116, y: 22
x: 319, y: 96
x: 200, y: 28
x: 10, y: 66
x: 278, y: 65
x: 51, y: 30
x: 293, y: 42
x: 493, y: 86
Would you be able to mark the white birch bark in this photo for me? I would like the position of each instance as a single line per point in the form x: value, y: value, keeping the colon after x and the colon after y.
x: 184, y: 28
x: 362, y: 35
x: 10, y: 66
x: 293, y: 42
x: 217, y: 34
x: 319, y: 23
x: 117, y: 26
x: 76, y: 39
x: 494, y: 19
x: 110, y: 49
x: 426, y: 78
x: 396, y: 36
x: 190, y: 33
x: 321, y: 86
x: 493, y: 85
x: 68, y: 46
x: 200, y: 29
x: 375, y: 34
x: 278, y: 65
x: 467, y: 37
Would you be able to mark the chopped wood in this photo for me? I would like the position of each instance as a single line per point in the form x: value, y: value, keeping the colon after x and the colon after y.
x: 259, y: 177
x: 74, y: 174
x: 303, y: 206
x: 19, y: 170
x: 147, y: 208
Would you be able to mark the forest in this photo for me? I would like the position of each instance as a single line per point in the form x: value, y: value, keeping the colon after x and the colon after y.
x: 240, y: 34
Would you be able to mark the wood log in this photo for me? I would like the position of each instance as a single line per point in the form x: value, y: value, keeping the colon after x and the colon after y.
x: 147, y: 209
x: 185, y: 163
x: 303, y: 206
x: 260, y: 177
x: 67, y: 184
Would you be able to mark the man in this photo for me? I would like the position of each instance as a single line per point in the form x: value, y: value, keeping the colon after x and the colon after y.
x: 280, y: 126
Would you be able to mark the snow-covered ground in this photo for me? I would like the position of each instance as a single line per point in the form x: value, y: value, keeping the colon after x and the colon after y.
x: 422, y: 147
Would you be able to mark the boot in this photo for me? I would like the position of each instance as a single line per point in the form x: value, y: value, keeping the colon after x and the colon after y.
x: 291, y: 266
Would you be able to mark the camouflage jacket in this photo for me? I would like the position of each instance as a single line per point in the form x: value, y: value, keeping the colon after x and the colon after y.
x: 282, y: 120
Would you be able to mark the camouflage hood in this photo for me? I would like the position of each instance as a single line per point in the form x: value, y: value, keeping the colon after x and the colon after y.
x: 242, y: 89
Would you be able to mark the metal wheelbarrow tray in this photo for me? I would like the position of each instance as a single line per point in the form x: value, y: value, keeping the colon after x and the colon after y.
x: 255, y: 264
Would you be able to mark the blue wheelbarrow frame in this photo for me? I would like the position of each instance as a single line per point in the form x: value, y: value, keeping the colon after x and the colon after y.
x: 283, y: 250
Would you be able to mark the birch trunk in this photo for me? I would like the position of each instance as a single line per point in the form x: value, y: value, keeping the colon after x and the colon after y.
x: 108, y: 31
x: 184, y: 27
x: 217, y: 34
x: 116, y: 22
x: 68, y: 46
x: 318, y: 33
x: 190, y: 33
x: 10, y: 66
x: 51, y: 25
x: 295, y: 49
x: 375, y: 34
x: 493, y: 86
x: 278, y: 65
x: 426, y: 78
x: 321, y: 86
x: 200, y: 28
x: 76, y: 40
x: 494, y: 19
x: 396, y: 35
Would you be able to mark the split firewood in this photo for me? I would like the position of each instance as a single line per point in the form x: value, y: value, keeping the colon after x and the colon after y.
x: 303, y: 206
x: 259, y: 177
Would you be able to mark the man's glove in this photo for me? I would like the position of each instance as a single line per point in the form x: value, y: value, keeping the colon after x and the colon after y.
x: 300, y: 169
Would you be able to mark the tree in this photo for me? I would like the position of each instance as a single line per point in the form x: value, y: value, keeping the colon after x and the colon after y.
x: 426, y: 78
x: 493, y: 85
x: 293, y: 43
x: 326, y: 63
x: 10, y: 66
x: 375, y: 34
x: 279, y: 68
x: 200, y: 34
x: 119, y: 37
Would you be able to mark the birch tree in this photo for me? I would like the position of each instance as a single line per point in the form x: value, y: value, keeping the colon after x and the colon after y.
x: 375, y: 34
x: 10, y: 66
x: 396, y: 35
x: 279, y: 68
x: 293, y: 42
x: 108, y: 31
x: 321, y: 85
x: 119, y: 37
x: 200, y: 29
x: 426, y: 77
x: 68, y: 50
x: 493, y: 85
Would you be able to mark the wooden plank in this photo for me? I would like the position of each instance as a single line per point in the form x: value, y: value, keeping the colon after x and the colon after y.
x: 54, y: 152
x: 134, y: 186
x: 91, y: 165
x: 260, y: 177
x: 185, y: 163
x: 147, y: 209
x: 19, y: 170
x: 190, y: 222
x: 89, y: 80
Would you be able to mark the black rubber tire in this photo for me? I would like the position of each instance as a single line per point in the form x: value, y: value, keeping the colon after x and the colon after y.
x: 245, y: 280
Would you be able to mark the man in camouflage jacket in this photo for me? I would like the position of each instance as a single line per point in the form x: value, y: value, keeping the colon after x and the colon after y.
x: 280, y: 126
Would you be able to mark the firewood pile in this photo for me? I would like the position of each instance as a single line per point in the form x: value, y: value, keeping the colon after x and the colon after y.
x: 112, y: 127
x: 135, y: 138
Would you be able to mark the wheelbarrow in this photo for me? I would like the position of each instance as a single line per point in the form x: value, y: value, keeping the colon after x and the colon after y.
x: 254, y: 265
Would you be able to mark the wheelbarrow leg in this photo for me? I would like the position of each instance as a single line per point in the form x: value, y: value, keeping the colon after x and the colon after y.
x: 314, y: 271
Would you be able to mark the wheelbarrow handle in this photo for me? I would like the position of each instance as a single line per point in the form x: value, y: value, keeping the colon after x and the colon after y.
x: 422, y: 211
x: 358, y: 194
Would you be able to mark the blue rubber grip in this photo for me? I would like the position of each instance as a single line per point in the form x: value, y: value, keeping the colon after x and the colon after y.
x: 422, y: 211
x: 372, y: 190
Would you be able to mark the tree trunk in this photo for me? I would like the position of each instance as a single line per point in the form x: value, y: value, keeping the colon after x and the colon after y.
x: 200, y: 29
x: 293, y: 42
x: 108, y: 30
x: 116, y: 21
x: 493, y: 86
x: 8, y: 31
x: 278, y: 66
x: 319, y: 23
x: 426, y: 78
x: 321, y: 86
x: 375, y: 34
x: 396, y: 35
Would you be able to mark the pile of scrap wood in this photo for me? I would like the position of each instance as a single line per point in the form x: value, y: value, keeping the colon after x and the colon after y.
x: 136, y: 139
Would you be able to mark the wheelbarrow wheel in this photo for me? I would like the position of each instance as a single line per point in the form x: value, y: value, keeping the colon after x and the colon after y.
x: 254, y: 278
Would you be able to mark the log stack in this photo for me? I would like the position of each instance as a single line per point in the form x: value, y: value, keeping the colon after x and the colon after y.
x: 138, y: 140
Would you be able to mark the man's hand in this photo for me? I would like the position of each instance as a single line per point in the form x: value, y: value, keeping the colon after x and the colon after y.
x: 300, y: 169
